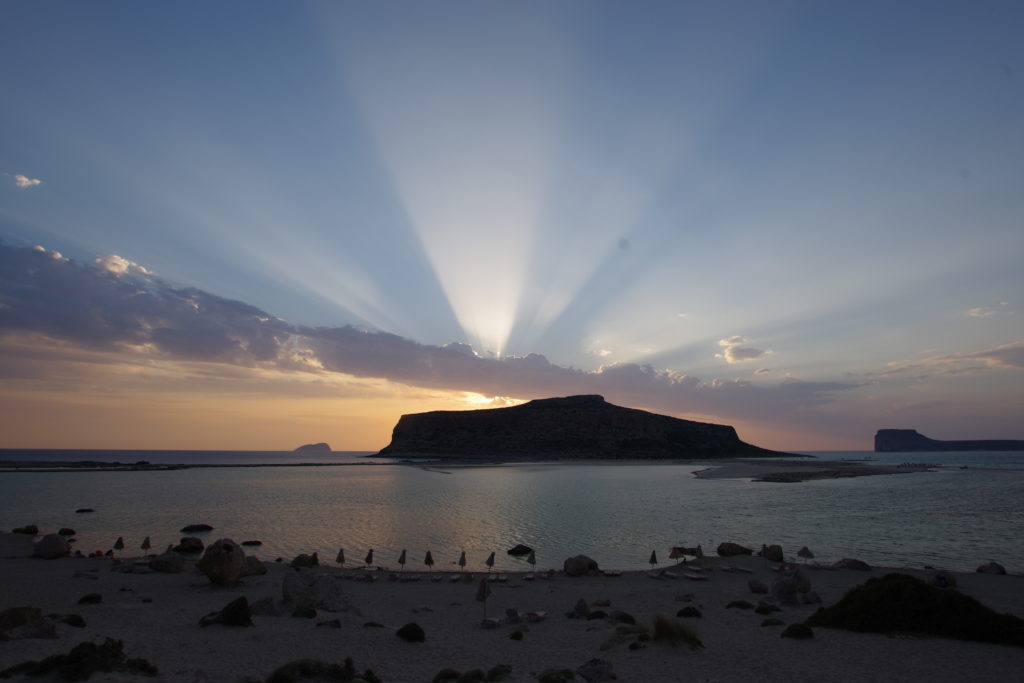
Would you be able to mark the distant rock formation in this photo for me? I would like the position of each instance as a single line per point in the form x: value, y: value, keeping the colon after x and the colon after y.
x: 578, y: 427
x: 898, y: 440
x: 313, y: 448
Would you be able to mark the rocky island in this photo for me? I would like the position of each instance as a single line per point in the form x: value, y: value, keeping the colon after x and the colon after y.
x: 576, y: 427
x: 900, y: 440
x: 313, y: 448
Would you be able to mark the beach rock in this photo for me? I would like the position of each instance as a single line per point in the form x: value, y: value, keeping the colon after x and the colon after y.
x: 799, y: 631
x: 82, y: 511
x: 757, y: 586
x: 30, y: 529
x: 168, y: 563
x: 51, y: 546
x: 941, y: 579
x: 252, y: 543
x: 37, y: 629
x: 810, y: 598
x: 411, y: 633
x: 728, y: 549
x: 788, y: 585
x: 195, y: 528
x: 189, y: 545
x: 305, y: 561
x: 65, y: 531
x: 596, y: 670
x: 223, y: 562
x: 253, y: 567
x: 520, y: 549
x: 313, y: 448
x: 773, y: 553
x: 991, y: 568
x: 265, y: 607
x: 12, y: 617
x: 323, y: 591
x: 235, y: 613
x: 847, y: 563
x: 90, y: 599
x: 83, y: 661
x: 689, y: 612
x: 580, y: 565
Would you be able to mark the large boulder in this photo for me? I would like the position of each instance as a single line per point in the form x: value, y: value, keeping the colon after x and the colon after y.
x: 773, y: 553
x: 728, y: 549
x: 991, y: 568
x: 253, y: 567
x: 51, y: 546
x: 848, y: 563
x: 223, y: 562
x: 322, y: 590
x: 306, y: 561
x: 519, y: 549
x: 168, y: 563
x: 29, y: 529
x: 580, y: 565
x: 788, y: 585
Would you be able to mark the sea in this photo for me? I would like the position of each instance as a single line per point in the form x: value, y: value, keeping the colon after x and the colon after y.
x: 965, y: 513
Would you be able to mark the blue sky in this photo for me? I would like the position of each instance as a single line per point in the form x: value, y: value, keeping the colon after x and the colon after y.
x: 801, y: 218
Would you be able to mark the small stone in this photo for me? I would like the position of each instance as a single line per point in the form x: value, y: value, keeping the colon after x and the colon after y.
x: 799, y: 631
x: 411, y: 633
x: 90, y: 599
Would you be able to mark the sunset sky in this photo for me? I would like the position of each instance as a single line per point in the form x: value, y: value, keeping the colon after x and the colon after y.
x: 252, y: 225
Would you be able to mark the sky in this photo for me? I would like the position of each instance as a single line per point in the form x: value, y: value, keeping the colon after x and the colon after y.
x: 252, y: 225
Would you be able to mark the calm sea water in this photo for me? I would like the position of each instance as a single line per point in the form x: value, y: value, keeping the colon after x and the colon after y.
x: 616, y: 513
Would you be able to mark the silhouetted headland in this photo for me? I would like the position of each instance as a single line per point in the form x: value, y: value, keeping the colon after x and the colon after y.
x: 899, y: 440
x: 573, y: 427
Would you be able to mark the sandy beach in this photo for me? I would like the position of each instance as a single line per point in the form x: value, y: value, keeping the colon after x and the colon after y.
x: 157, y: 617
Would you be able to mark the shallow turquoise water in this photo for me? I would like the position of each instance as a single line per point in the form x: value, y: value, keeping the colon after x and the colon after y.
x: 615, y: 513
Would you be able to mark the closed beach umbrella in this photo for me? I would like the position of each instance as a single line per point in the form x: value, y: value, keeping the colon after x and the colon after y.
x: 462, y: 561
x: 119, y: 544
x: 401, y: 560
x: 146, y: 545
x: 369, y: 558
x: 490, y: 561
x: 654, y: 558
x: 805, y: 553
x: 675, y: 553
x: 340, y: 559
x: 532, y: 559
x: 429, y: 561
x: 482, y: 592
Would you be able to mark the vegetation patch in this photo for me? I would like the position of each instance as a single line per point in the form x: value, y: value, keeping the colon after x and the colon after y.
x: 901, y: 603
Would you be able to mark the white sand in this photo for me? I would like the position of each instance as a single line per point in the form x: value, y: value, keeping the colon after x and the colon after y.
x: 166, y: 631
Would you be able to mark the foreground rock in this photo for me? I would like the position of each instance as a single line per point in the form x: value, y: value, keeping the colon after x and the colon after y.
x: 321, y: 590
x: 224, y: 563
x: 991, y: 568
x: 235, y: 613
x: 83, y: 661
x: 571, y: 427
x: 728, y: 549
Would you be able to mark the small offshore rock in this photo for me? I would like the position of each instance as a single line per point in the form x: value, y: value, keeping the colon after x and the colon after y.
x: 773, y: 553
x: 29, y: 529
x: 235, y: 613
x: 520, y: 549
x: 411, y: 633
x: 196, y: 528
x: 252, y: 543
x: 82, y: 511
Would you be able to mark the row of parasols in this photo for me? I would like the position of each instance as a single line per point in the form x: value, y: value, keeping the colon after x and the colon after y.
x: 428, y: 559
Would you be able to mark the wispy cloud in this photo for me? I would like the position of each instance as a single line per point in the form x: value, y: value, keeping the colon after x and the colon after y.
x: 987, y: 311
x: 24, y: 181
x: 734, y: 350
x: 117, y: 306
x: 1004, y: 357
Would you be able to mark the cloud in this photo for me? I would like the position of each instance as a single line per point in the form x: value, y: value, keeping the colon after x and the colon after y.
x: 115, y: 305
x: 735, y: 352
x: 988, y: 311
x: 1005, y: 357
x: 23, y: 181
x: 762, y: 371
